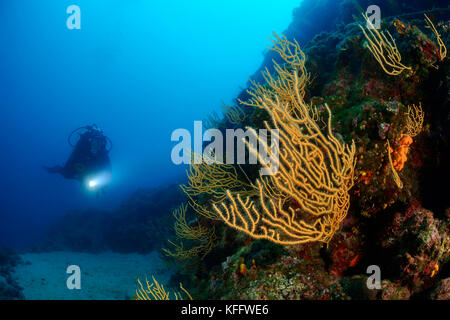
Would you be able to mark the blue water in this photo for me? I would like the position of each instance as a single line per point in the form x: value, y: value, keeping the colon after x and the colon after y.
x: 137, y: 68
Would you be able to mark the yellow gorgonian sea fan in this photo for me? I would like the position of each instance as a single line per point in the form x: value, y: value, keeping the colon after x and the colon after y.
x: 235, y: 114
x: 442, y: 47
x: 414, y: 120
x: 414, y: 125
x: 213, y: 180
x: 383, y: 49
x: 201, y: 238
x: 307, y: 198
x: 155, y: 291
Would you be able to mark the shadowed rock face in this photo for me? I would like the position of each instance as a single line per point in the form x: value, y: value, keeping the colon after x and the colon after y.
x: 315, y: 16
x: 9, y: 289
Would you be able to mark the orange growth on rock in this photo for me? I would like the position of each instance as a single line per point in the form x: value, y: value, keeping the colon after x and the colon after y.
x: 401, y: 154
x: 354, y: 261
x: 435, y: 269
x: 243, y: 269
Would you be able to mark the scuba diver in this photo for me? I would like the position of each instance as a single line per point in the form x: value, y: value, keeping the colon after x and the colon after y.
x: 89, y: 161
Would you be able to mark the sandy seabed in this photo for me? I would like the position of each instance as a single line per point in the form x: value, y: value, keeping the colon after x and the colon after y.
x: 103, y: 276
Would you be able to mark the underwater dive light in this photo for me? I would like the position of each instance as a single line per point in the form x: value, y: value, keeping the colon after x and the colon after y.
x: 98, y: 181
x: 93, y: 183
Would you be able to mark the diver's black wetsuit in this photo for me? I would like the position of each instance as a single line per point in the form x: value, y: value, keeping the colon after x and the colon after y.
x: 89, y: 155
